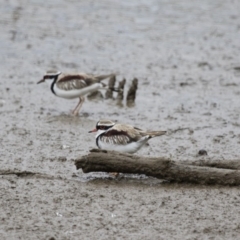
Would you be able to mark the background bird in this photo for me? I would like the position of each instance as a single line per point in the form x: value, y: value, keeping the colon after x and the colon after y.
x: 74, y: 85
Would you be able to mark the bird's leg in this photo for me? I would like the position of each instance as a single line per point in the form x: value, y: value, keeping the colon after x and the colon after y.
x: 73, y: 111
x: 114, y: 174
x: 78, y: 107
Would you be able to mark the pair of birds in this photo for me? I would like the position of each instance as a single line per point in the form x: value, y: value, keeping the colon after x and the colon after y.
x: 110, y: 135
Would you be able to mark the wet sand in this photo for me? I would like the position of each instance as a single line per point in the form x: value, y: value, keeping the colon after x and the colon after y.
x: 186, y: 57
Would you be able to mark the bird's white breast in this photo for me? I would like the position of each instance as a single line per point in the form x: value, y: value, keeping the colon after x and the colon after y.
x: 75, y: 93
x: 128, y: 148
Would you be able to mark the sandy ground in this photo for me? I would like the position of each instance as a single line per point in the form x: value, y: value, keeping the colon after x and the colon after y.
x: 186, y: 57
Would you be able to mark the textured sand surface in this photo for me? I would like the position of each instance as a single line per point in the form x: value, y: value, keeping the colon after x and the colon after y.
x: 186, y: 57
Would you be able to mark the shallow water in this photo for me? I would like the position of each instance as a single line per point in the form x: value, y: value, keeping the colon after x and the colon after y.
x: 185, y: 55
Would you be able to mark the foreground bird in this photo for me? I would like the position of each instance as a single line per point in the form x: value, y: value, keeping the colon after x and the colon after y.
x: 121, y: 137
x: 74, y: 85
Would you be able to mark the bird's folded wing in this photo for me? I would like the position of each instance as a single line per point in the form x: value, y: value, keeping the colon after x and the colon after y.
x: 78, y: 81
x: 121, y: 134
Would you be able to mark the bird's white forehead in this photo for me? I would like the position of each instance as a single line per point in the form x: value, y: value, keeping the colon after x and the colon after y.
x: 105, y: 123
x: 52, y: 73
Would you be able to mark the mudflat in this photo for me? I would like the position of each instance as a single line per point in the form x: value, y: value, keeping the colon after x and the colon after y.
x: 186, y: 57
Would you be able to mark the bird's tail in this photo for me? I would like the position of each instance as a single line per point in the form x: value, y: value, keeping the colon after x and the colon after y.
x: 102, y: 77
x: 155, y: 133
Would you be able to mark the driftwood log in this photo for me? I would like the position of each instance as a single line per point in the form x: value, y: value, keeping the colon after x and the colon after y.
x: 109, y: 161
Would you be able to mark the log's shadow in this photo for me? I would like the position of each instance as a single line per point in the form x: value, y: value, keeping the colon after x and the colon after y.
x: 135, y: 180
x: 102, y: 177
x: 67, y: 118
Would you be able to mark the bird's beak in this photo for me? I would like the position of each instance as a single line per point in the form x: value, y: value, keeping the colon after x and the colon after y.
x: 42, y: 80
x: 94, y: 130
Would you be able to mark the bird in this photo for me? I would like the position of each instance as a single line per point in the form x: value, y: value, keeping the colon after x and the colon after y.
x: 74, y: 85
x: 121, y: 137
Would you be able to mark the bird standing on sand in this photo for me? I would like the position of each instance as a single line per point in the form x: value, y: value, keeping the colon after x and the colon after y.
x: 121, y: 137
x: 74, y: 85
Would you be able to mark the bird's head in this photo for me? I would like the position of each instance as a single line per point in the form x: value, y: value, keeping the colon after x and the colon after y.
x: 49, y: 76
x: 102, y: 126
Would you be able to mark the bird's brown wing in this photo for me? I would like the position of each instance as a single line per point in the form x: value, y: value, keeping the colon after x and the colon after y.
x: 116, y: 137
x: 121, y: 134
x: 75, y: 81
x: 137, y: 133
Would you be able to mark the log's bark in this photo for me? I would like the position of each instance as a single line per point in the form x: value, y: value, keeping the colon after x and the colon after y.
x: 226, y: 164
x: 109, y: 161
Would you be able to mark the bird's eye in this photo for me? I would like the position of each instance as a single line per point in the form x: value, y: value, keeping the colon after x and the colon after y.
x: 102, y: 128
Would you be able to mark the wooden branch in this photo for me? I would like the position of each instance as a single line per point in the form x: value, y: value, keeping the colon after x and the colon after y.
x: 131, y: 95
x: 109, y: 161
x: 121, y: 85
x: 26, y: 174
x: 111, y: 84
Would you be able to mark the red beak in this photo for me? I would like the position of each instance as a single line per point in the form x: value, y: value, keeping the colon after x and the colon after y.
x: 94, y: 130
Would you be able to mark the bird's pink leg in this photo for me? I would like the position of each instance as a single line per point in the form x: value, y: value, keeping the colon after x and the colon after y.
x: 78, y: 107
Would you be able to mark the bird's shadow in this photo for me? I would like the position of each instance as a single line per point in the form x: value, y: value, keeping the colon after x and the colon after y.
x: 67, y: 118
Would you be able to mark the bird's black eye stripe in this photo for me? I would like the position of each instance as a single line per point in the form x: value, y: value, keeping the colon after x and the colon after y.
x: 49, y: 77
x: 103, y: 127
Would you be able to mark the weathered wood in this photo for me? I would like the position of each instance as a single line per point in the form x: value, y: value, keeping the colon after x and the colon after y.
x: 121, y: 85
x: 109, y: 161
x: 131, y: 95
x: 111, y: 84
x: 225, y: 164
x: 28, y: 174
